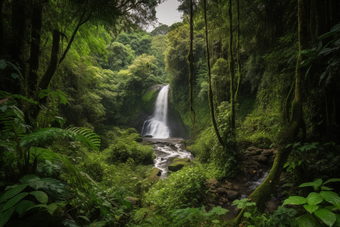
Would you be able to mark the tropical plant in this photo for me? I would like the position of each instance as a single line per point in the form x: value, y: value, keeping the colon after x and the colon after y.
x: 32, y: 192
x: 322, y: 205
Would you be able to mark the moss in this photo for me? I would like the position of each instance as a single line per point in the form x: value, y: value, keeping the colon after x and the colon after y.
x: 149, y: 94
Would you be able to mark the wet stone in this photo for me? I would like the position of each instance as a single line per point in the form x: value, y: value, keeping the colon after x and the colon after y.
x: 232, y: 195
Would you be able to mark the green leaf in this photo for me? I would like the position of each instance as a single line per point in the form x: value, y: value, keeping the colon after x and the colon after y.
x: 85, y: 218
x: 3, y: 108
x: 314, y: 198
x: 23, y: 206
x: 247, y: 215
x: 332, y: 198
x: 324, y: 188
x: 332, y: 180
x: 52, y: 207
x: 326, y: 216
x: 15, y: 75
x: 337, y: 219
x: 306, y: 220
x: 311, y: 208
x: 5, y: 216
x: 295, y: 200
x: 28, y: 177
x: 12, y: 192
x: 305, y: 62
x: 314, y: 184
x: 40, y: 196
x: 219, y: 210
x: 215, y: 221
x: 10, y: 203
x: 286, y: 164
x: 2, y: 64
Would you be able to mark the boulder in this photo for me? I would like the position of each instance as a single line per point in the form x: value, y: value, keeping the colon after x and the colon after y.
x: 132, y: 200
x: 214, y: 182
x: 149, y: 136
x: 236, y: 188
x: 178, y: 163
x: 221, y: 190
x: 232, y: 195
x: 250, y: 148
x: 272, y: 207
x: 262, y: 158
x: 267, y: 153
x: 154, y: 175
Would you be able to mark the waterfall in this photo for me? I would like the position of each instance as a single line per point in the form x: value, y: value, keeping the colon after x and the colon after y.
x: 156, y: 126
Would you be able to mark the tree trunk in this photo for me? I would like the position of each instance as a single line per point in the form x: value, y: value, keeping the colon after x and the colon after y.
x: 2, y: 37
x: 238, y: 51
x: 190, y: 58
x: 47, y: 77
x: 16, y: 47
x: 210, y: 95
x: 231, y: 67
x: 32, y: 79
x: 288, y: 136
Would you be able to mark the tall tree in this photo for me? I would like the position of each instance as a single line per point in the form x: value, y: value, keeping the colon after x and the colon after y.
x: 190, y: 58
x: 231, y: 66
x: 210, y: 94
x: 289, y: 135
x: 239, y: 81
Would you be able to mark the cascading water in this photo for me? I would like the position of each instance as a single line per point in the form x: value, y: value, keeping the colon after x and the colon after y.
x: 156, y: 126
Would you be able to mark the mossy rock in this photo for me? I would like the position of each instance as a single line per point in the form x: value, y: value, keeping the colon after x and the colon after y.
x: 154, y: 175
x: 178, y: 163
x: 181, y: 160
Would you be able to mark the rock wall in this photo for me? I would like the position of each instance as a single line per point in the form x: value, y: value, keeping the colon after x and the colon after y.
x: 175, y: 122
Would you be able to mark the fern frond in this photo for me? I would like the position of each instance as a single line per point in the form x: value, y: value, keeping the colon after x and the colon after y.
x: 46, y: 134
x: 88, y: 134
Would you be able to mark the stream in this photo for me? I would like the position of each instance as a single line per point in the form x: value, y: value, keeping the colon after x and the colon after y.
x: 166, y: 150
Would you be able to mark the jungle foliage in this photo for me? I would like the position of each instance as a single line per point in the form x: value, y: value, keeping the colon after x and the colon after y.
x: 73, y: 74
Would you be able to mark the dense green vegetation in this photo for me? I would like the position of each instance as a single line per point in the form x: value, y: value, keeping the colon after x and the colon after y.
x: 74, y: 75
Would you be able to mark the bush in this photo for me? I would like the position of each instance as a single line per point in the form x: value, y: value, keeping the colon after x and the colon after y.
x: 123, y: 149
x: 203, y: 144
x: 182, y: 189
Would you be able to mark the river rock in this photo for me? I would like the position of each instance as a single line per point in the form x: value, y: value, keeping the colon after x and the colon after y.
x: 132, y: 200
x: 154, y: 175
x: 272, y: 207
x: 178, y: 163
x: 221, y: 190
x: 232, y: 195
x: 149, y: 136
x: 250, y: 148
x: 267, y: 153
x: 236, y: 188
x: 262, y: 158
x: 214, y: 183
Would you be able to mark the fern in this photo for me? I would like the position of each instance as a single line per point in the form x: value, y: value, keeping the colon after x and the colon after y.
x: 88, y: 135
x: 46, y: 134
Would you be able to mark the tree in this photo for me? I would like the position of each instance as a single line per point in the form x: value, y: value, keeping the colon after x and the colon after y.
x: 79, y: 12
x: 162, y: 29
x: 210, y: 94
x: 289, y: 135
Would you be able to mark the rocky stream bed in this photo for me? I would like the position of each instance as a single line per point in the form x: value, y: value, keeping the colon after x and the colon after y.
x: 171, y: 155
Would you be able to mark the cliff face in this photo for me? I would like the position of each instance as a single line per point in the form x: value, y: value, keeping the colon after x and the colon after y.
x: 175, y: 122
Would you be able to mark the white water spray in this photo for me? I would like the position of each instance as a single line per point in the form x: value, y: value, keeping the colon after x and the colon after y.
x: 157, y: 126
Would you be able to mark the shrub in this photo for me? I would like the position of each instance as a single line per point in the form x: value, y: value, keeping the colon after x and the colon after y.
x: 182, y: 189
